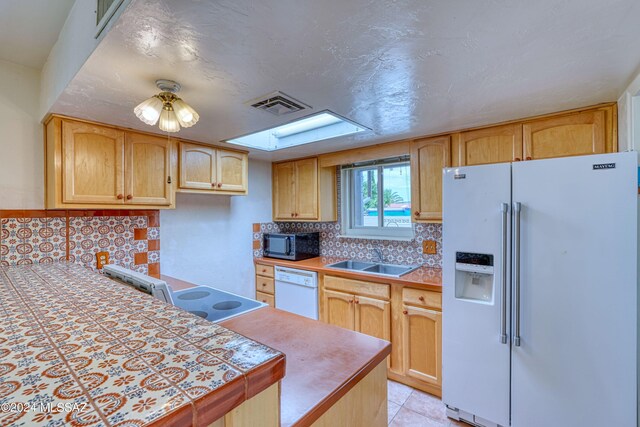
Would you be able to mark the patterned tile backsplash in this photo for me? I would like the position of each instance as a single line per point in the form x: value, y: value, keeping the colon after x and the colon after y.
x: 333, y: 244
x: 39, y: 236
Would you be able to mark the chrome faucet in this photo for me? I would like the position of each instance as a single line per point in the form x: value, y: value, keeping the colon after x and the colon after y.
x: 378, y: 253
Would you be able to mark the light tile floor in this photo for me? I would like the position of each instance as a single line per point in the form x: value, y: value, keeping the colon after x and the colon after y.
x: 409, y: 407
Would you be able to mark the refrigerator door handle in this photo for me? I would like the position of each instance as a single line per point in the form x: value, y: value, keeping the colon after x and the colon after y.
x: 516, y: 272
x: 503, y: 319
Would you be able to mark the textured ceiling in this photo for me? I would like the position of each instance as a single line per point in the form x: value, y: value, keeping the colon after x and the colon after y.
x: 402, y: 68
x: 29, y: 29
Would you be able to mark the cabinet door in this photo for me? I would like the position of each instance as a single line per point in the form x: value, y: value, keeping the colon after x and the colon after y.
x: 338, y: 309
x: 428, y: 157
x: 498, y: 144
x: 283, y: 190
x: 306, y: 189
x: 373, y: 317
x: 92, y: 163
x: 231, y: 170
x: 197, y: 167
x: 422, y: 344
x: 570, y: 135
x: 147, y: 169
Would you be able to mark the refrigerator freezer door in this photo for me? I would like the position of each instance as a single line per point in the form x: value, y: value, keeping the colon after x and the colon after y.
x: 576, y: 363
x: 475, y: 360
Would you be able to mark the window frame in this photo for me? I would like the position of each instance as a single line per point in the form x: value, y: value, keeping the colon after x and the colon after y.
x: 348, y: 201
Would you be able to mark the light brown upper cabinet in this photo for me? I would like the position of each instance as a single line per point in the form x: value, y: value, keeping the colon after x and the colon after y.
x: 428, y: 157
x: 569, y: 135
x: 92, y: 163
x: 306, y: 189
x: 303, y: 192
x: 232, y: 169
x: 91, y: 166
x: 204, y: 168
x: 574, y: 133
x: 497, y: 144
x: 284, y: 184
x: 148, y: 167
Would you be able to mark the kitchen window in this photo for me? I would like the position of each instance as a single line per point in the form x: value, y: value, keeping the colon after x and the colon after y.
x: 376, y: 199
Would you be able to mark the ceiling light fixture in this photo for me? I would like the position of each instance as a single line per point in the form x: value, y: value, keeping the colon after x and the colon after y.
x: 165, y: 107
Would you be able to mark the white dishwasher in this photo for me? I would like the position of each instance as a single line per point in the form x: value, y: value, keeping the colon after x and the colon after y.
x: 297, y: 291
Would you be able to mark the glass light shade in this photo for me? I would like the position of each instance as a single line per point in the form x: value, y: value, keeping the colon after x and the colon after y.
x: 186, y: 115
x: 149, y: 110
x: 168, y: 121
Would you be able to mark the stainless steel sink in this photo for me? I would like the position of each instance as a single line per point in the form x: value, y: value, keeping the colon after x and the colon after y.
x: 352, y: 265
x: 380, y: 269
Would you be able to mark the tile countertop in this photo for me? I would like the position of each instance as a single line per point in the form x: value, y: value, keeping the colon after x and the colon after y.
x: 72, y: 337
x: 424, y: 277
x: 324, y: 362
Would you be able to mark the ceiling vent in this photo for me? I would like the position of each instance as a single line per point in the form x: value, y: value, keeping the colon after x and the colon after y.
x: 278, y: 104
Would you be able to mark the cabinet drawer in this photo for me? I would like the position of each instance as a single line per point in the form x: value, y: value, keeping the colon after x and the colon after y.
x: 377, y: 290
x: 422, y: 298
x: 265, y: 284
x: 264, y: 270
x: 266, y: 298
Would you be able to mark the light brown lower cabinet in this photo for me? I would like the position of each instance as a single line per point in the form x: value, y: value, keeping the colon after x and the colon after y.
x: 266, y: 298
x: 422, y: 344
x: 265, y: 286
x: 410, y: 318
x: 373, y: 317
x: 339, y: 309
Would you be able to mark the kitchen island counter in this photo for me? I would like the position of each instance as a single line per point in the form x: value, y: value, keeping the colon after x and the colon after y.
x: 325, y: 364
x: 110, y: 354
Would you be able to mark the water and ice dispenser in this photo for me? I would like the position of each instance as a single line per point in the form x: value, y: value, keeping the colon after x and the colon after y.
x: 474, y: 277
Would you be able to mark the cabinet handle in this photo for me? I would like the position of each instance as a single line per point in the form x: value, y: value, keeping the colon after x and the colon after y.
x: 264, y: 270
x: 517, y: 159
x: 421, y: 298
x: 213, y: 184
x: 119, y: 196
x: 405, y: 312
x: 350, y: 301
x: 417, y: 213
x: 357, y: 301
x: 292, y: 215
x: 169, y: 180
x: 529, y: 158
x: 219, y: 184
x: 129, y: 197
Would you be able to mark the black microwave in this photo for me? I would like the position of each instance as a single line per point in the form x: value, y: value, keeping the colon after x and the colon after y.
x: 292, y: 246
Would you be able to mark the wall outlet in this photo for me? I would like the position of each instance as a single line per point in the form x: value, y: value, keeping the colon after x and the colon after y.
x: 429, y: 247
x: 102, y: 259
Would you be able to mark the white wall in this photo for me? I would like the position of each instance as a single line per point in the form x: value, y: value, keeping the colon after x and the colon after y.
x: 76, y: 41
x: 21, y: 144
x: 208, y: 239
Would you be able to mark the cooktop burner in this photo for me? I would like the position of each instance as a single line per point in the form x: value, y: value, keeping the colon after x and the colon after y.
x: 213, y: 304
x: 194, y: 295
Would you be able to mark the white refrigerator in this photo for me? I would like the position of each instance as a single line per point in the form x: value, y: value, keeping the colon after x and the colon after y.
x: 540, y: 301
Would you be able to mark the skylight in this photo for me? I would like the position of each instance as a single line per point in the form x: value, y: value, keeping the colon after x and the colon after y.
x: 317, y: 127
